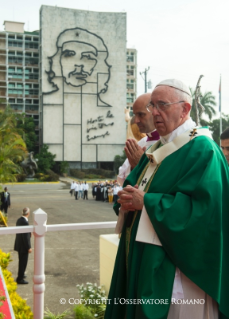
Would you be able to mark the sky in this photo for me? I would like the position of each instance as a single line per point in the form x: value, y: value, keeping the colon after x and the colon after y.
x: 179, y: 39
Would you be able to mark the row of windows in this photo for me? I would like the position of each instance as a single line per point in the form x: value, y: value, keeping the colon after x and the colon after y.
x: 27, y: 101
x: 20, y: 53
x: 28, y: 107
x: 131, y: 81
x: 20, y: 92
x: 27, y: 85
x: 132, y: 67
x: 15, y: 59
x: 19, y: 70
x: 21, y: 76
x: 20, y: 44
x: 20, y: 37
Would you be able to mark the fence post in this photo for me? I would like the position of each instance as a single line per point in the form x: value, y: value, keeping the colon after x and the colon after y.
x: 40, y: 219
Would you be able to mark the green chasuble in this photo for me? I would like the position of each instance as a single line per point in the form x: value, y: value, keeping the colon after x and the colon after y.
x: 187, y: 202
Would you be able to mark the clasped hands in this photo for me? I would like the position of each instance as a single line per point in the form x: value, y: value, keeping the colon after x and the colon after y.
x: 131, y: 198
x: 133, y: 152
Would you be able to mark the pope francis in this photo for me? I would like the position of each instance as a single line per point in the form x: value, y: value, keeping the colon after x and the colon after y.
x: 173, y: 256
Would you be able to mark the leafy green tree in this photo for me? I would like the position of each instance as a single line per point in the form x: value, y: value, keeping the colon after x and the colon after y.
x: 12, y: 147
x: 45, y: 159
x: 64, y: 167
x: 214, y: 127
x: 118, y: 161
x: 27, y: 126
x: 208, y: 101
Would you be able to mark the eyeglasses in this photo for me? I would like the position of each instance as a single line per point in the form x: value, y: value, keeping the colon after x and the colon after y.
x: 160, y: 106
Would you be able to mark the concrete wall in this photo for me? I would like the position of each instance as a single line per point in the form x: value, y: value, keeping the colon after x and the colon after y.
x: 83, y: 81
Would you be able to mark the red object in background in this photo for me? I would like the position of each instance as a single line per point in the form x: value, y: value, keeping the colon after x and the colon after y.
x: 6, y: 308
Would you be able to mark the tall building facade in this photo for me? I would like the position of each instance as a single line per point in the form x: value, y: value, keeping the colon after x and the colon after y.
x: 131, y: 77
x: 83, y: 85
x: 19, y: 70
x: 77, y: 116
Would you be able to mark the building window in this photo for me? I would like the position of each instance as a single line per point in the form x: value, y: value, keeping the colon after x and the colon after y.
x: 19, y: 101
x: 15, y: 44
x: 31, y: 45
x: 15, y: 60
x: 130, y: 86
x: 130, y: 59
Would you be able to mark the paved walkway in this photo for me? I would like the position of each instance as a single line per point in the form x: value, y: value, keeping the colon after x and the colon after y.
x: 71, y: 257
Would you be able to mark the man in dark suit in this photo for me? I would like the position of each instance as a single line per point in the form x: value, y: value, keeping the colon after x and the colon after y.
x: 5, y: 200
x: 23, y: 246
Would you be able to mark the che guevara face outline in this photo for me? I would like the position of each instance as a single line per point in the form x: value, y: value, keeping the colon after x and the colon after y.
x: 78, y: 61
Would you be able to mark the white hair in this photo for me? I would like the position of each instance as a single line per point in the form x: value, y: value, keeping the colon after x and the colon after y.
x: 25, y: 211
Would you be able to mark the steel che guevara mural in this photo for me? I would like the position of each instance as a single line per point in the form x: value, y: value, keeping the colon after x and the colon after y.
x: 80, y: 59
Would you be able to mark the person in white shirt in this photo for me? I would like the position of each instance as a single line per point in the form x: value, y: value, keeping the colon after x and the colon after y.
x: 72, y: 188
x: 115, y: 192
x: 80, y: 193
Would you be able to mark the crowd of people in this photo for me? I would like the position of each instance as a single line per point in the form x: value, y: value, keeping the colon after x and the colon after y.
x: 106, y: 191
x: 79, y: 190
x: 101, y: 191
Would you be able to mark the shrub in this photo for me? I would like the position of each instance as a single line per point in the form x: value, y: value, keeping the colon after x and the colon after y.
x: 39, y: 175
x: 49, y: 315
x: 20, y: 308
x: 82, y: 312
x: 20, y: 177
x: 92, y: 173
x: 1, y: 219
x: 119, y: 160
x: 77, y: 173
x: 52, y: 177
x: 94, y: 301
x: 49, y: 176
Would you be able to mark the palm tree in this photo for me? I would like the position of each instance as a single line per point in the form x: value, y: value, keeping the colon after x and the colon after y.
x: 12, y: 147
x: 208, y: 101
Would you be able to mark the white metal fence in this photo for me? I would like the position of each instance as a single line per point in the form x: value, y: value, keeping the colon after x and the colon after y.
x: 39, y: 229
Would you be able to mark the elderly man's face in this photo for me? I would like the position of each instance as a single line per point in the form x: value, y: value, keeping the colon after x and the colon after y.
x: 225, y: 148
x: 78, y: 61
x: 143, y: 118
x: 173, y: 116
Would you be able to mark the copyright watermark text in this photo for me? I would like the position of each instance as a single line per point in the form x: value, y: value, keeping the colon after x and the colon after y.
x: 123, y: 301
